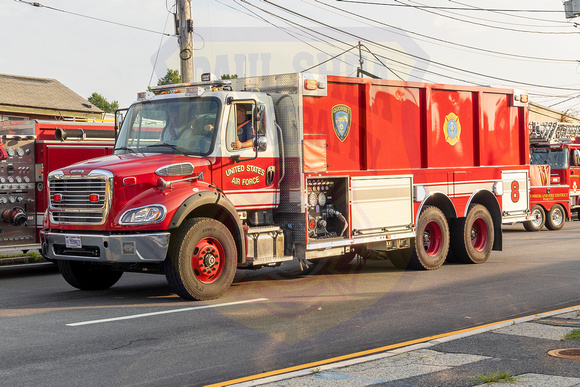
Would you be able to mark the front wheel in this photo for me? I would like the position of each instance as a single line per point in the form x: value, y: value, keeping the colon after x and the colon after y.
x: 473, y: 236
x: 88, y: 275
x: 432, y: 240
x: 556, y: 217
x: 203, y: 260
x: 538, y: 219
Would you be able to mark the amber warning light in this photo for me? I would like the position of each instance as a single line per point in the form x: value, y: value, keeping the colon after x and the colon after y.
x: 520, y: 98
x: 311, y: 84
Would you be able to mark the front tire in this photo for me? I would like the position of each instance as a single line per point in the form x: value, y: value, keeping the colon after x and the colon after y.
x: 473, y: 236
x: 432, y: 240
x: 203, y: 260
x: 539, y: 219
x: 88, y: 275
x: 556, y: 217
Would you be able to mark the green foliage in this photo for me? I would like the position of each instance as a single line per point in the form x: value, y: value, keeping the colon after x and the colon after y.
x: 229, y: 76
x: 574, y: 335
x: 171, y: 78
x: 494, y: 377
x: 102, y: 103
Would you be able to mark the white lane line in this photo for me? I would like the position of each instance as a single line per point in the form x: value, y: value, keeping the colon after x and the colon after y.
x: 163, y: 312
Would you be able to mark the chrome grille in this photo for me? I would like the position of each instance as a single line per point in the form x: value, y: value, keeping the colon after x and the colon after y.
x: 79, y: 200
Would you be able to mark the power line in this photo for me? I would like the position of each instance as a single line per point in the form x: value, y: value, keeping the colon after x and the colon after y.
x: 446, y: 8
x: 471, y: 17
x: 517, y: 16
x: 388, y: 48
x: 412, y: 55
x: 38, y: 5
x: 254, y: 15
x: 470, y: 47
x: 158, y: 51
x: 422, y: 8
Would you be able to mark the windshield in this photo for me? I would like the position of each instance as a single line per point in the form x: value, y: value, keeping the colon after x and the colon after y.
x: 555, y: 158
x: 185, y: 125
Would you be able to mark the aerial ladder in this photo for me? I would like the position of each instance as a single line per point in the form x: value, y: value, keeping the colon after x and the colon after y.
x: 552, y: 133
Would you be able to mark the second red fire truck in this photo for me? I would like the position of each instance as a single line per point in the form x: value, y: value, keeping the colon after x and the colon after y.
x: 555, y: 174
x: 212, y: 177
x: 29, y: 150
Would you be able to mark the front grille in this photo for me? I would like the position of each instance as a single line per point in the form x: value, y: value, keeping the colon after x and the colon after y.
x: 79, y: 200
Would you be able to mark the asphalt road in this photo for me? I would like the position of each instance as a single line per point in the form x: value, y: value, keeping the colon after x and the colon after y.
x: 139, y: 333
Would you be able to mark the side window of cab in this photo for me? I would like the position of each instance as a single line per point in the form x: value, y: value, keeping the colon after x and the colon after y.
x: 240, y: 132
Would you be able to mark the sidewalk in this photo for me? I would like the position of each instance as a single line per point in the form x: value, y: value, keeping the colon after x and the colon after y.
x: 519, y: 347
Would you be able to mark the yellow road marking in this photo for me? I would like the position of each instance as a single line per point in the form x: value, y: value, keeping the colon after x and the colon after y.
x: 371, y: 351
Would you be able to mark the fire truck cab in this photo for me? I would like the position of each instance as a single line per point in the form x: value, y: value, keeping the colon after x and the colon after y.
x: 555, y: 155
x: 209, y: 177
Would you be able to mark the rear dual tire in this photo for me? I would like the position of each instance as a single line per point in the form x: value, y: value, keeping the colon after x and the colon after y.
x: 556, y: 217
x: 431, y: 243
x: 473, y: 236
x: 471, y: 241
x: 538, y: 219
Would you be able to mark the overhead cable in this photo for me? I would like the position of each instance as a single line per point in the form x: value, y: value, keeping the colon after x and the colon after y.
x: 470, y: 47
x: 420, y: 7
x: 357, y: 37
x: 446, y: 8
x: 35, y: 4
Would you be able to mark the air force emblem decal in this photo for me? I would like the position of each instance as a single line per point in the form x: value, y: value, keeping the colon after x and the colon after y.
x: 341, y: 119
x: 452, y: 129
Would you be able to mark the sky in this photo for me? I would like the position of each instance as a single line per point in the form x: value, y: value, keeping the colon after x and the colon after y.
x: 118, y: 48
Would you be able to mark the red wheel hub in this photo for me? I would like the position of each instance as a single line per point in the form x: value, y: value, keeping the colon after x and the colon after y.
x: 207, y: 260
x: 432, y: 238
x: 479, y: 234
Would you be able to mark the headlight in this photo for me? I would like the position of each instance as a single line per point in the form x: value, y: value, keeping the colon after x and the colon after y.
x: 144, y: 215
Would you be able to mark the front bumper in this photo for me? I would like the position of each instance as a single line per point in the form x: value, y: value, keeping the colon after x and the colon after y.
x: 129, y: 248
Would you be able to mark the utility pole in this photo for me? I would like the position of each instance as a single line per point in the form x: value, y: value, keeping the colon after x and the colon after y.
x: 185, y: 30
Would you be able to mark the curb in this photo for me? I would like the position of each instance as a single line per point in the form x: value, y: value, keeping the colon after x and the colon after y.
x: 382, y: 352
x: 21, y: 260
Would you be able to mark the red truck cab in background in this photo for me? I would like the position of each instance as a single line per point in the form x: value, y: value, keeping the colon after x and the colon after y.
x: 555, y: 174
x: 337, y: 166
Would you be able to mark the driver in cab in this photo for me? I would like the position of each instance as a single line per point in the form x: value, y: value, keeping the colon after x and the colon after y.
x: 244, y: 130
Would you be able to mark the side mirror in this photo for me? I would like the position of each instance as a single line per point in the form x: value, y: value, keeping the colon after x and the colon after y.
x: 262, y: 144
x: 260, y: 119
x: 576, y: 157
x: 119, y: 118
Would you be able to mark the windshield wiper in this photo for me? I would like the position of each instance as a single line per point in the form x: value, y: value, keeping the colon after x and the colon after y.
x: 125, y: 149
x: 174, y: 147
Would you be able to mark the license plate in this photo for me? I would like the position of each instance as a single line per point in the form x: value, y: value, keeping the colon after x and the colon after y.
x: 73, y: 241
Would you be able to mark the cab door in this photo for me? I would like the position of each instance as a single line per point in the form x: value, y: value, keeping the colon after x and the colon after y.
x: 250, y: 173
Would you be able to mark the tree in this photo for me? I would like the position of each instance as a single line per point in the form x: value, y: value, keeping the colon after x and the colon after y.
x: 102, y: 103
x: 228, y: 76
x: 171, y: 78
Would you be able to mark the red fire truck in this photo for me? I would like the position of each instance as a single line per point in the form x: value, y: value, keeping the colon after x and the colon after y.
x: 554, y: 174
x: 333, y: 165
x: 28, y: 151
